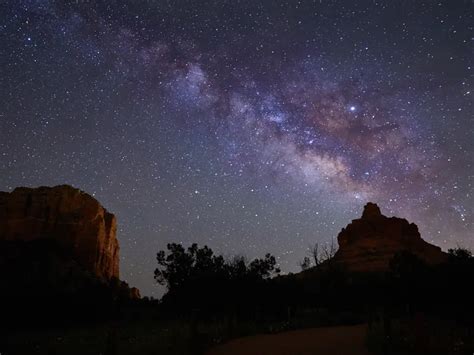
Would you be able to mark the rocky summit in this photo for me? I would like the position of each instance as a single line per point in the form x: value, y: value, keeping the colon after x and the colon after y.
x: 73, y: 219
x: 369, y: 243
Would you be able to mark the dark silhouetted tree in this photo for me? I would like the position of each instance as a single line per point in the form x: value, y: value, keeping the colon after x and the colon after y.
x: 460, y: 253
x: 305, y: 264
x: 197, y: 278
x: 320, y: 254
x: 180, y: 266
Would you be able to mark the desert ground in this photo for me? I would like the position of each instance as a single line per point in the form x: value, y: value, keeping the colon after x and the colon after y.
x: 346, y: 340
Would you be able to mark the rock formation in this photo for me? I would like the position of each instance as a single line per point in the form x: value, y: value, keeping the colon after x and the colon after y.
x: 369, y: 243
x: 74, y: 219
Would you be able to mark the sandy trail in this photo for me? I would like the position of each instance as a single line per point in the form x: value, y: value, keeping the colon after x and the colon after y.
x: 347, y: 340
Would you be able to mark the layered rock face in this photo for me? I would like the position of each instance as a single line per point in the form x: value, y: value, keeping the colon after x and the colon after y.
x: 74, y: 219
x: 369, y: 243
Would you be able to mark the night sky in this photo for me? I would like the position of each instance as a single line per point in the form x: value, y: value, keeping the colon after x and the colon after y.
x: 249, y: 126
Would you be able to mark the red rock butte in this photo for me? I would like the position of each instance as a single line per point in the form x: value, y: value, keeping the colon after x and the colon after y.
x: 74, y: 219
x: 369, y: 243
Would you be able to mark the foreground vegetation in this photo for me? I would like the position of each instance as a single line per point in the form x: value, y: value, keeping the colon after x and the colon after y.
x: 412, y: 309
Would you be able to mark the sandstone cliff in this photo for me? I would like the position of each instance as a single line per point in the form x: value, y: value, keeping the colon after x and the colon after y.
x: 74, y: 219
x: 369, y: 243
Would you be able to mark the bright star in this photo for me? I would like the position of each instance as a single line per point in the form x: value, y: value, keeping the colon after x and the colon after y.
x: 352, y: 108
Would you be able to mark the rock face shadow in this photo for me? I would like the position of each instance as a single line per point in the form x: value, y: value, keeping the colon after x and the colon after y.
x: 74, y: 219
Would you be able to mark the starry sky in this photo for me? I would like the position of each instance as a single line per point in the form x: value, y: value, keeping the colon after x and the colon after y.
x: 249, y: 126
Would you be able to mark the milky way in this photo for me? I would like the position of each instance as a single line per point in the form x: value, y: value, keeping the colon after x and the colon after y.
x: 249, y: 126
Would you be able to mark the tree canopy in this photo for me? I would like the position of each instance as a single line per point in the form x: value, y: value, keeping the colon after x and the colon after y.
x: 195, y: 276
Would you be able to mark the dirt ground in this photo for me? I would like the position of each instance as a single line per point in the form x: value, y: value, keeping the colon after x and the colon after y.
x: 347, y: 340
